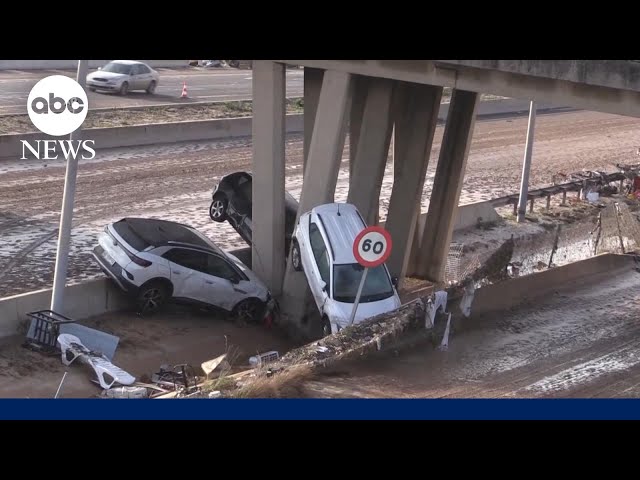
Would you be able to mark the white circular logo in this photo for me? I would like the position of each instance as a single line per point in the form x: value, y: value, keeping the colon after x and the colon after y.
x: 57, y: 105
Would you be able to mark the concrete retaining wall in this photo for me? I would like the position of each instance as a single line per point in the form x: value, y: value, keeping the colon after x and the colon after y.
x: 66, y: 64
x: 467, y: 216
x: 525, y: 289
x: 83, y: 300
x: 150, y: 134
x: 490, y: 109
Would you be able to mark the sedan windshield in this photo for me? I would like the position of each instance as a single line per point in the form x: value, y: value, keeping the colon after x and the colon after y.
x: 117, y: 68
x: 346, y: 280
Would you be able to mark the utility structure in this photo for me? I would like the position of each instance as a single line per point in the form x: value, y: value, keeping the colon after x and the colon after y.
x: 66, y: 216
x: 526, y: 164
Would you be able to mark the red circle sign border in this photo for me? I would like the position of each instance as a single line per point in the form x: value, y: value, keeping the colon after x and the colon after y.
x: 381, y: 260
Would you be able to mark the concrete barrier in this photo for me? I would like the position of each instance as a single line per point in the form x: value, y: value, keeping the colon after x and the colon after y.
x: 83, y: 300
x: 518, y: 291
x: 217, y: 129
x: 151, y: 134
x: 489, y: 109
x: 72, y: 64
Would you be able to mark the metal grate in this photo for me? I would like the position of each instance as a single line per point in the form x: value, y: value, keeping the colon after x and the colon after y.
x: 46, y: 329
x: 453, y: 268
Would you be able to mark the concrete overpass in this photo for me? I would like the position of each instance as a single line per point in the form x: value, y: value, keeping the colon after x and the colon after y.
x: 376, y: 99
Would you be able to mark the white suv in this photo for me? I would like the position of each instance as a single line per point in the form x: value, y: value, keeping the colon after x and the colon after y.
x: 158, y: 260
x: 323, y: 248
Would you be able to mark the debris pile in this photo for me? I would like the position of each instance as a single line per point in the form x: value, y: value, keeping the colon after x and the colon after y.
x: 371, y: 335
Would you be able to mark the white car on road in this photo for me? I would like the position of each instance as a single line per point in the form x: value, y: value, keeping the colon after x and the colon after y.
x: 322, y: 247
x: 123, y: 76
x: 157, y: 260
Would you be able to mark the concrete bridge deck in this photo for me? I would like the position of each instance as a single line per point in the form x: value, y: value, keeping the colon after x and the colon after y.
x: 611, y: 86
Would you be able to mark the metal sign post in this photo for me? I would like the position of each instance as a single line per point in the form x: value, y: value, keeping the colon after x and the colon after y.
x: 371, y: 248
x: 355, y: 304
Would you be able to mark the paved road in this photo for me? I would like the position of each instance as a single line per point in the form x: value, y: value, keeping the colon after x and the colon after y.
x: 202, y: 85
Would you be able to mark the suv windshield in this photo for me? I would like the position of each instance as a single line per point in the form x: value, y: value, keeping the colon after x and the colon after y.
x: 346, y: 280
x: 117, y: 68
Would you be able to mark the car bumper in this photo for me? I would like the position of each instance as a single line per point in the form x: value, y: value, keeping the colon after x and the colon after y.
x: 102, y: 86
x: 113, y: 271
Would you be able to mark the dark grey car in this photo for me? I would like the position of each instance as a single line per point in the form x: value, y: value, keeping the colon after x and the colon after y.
x: 231, y: 201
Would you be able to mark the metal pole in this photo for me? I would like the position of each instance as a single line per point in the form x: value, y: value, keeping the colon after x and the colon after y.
x: 60, y: 386
x: 355, y: 304
x: 66, y: 216
x: 524, y: 184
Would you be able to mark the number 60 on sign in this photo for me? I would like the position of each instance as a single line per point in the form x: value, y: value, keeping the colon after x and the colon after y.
x: 372, y: 247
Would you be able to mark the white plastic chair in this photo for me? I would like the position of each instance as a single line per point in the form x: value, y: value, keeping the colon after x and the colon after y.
x: 106, y: 372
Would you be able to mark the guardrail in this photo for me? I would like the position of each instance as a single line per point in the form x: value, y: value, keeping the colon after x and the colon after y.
x: 548, y: 192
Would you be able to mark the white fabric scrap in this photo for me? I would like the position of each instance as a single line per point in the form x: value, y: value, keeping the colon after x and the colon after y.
x: 438, y: 300
x: 467, y: 299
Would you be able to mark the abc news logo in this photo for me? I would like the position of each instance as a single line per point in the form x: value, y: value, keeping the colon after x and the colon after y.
x: 57, y: 106
x: 40, y: 105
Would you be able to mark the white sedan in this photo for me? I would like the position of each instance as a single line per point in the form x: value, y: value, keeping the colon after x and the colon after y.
x: 123, y: 76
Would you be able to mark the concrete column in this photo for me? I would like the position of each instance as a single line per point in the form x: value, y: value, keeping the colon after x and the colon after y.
x: 320, y: 177
x: 415, y: 125
x: 445, y: 196
x: 372, y: 150
x: 312, y: 86
x: 359, y: 86
x: 268, y: 230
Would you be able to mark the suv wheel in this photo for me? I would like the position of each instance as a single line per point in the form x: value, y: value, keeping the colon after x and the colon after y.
x: 218, y: 209
x: 151, y: 297
x: 296, y: 261
x: 248, y: 310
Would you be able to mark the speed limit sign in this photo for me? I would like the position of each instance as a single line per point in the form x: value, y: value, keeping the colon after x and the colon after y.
x: 372, y: 247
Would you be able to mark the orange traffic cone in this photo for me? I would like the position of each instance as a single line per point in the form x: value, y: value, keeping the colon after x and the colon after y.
x: 184, y: 90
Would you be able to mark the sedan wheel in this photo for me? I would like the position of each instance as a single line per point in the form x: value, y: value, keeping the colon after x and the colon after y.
x: 152, y: 87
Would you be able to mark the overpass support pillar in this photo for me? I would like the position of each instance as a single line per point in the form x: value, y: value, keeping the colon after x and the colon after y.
x: 359, y: 86
x: 447, y: 185
x: 373, y: 149
x: 320, y: 177
x: 268, y: 249
x: 312, y: 86
x: 415, y: 125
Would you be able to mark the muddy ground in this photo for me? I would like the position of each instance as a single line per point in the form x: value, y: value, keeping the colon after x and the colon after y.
x: 175, y: 182
x: 177, y: 336
x: 579, y: 341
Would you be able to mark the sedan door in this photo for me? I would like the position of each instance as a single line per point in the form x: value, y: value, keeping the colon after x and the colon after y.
x: 144, y: 77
